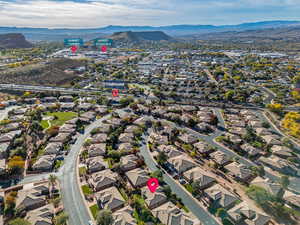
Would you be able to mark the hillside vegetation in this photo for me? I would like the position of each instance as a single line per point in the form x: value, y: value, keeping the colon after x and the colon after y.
x: 51, y: 73
x: 13, y: 41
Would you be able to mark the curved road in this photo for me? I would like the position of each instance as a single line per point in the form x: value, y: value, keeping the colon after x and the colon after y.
x: 191, y: 203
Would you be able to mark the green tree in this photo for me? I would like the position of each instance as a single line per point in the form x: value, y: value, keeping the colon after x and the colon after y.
x: 61, y: 219
x: 221, y: 212
x: 19, y: 221
x: 284, y: 181
x: 161, y: 158
x: 104, y: 217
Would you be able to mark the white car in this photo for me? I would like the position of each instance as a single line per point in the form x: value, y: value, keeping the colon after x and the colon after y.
x: 90, y: 222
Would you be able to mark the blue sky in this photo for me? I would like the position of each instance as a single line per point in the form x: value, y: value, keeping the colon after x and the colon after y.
x: 99, y: 13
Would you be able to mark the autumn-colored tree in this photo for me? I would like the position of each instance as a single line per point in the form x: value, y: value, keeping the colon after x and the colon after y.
x: 16, y: 164
x: 276, y: 107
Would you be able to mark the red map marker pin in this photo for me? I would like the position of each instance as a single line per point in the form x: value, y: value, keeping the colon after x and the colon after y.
x: 74, y: 49
x: 115, y: 93
x: 152, y: 184
x: 103, y: 48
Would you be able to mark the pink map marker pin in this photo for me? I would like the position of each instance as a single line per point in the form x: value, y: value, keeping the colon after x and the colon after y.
x: 103, y: 48
x: 74, y: 49
x: 152, y: 184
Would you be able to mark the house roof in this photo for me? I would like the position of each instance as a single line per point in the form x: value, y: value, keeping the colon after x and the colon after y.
x: 273, y: 188
x: 128, y: 161
x: 239, y: 170
x: 292, y: 198
x: 197, y: 174
x: 182, y: 163
x: 124, y: 217
x: 97, y: 163
x: 138, y: 177
x: 97, y: 149
x: 110, y: 198
x: 220, y: 194
x: 103, y: 178
x: 281, y: 151
x: 220, y: 157
x: 41, y: 216
x: 28, y: 197
x: 169, y: 214
x: 154, y: 199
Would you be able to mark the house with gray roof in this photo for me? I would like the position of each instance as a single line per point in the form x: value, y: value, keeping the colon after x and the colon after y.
x: 154, y: 199
x: 103, y: 179
x: 129, y: 162
x: 110, y: 198
x: 97, y: 150
x: 31, y: 198
x: 239, y: 171
x: 198, y: 174
x: 124, y: 216
x: 169, y: 214
x: 267, y: 184
x: 182, y: 163
x: 137, y: 178
x: 219, y: 195
x: 96, y: 164
x: 41, y: 216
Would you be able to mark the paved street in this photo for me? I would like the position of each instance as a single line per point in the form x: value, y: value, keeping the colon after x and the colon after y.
x: 72, y: 199
x: 191, y: 203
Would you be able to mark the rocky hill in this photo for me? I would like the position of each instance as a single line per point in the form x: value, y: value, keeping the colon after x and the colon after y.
x: 13, y: 40
x: 52, y: 73
x: 135, y: 37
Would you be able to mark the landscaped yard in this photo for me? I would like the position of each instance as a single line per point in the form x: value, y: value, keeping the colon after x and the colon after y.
x: 94, y: 209
x: 60, y: 118
x: 86, y: 190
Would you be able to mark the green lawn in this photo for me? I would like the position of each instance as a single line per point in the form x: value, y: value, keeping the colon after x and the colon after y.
x: 86, y: 190
x: 94, y: 209
x: 62, y: 117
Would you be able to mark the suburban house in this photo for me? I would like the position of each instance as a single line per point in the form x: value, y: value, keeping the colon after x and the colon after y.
x: 220, y: 196
x: 182, y: 163
x: 155, y: 199
x: 197, y: 174
x: 44, y: 163
x: 239, y: 172
x: 103, y: 179
x: 292, y: 199
x: 96, y: 164
x: 282, y: 151
x: 267, y: 184
x: 41, y: 216
x: 279, y: 164
x: 220, y: 158
x: 124, y: 216
x: 32, y: 198
x: 129, y: 162
x: 99, y: 138
x: 169, y: 214
x: 97, y: 150
x: 137, y: 178
x: 53, y: 148
x: 243, y: 214
x: 110, y: 198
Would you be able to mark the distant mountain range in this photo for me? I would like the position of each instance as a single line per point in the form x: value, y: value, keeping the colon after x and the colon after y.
x: 13, y: 41
x: 38, y: 34
x: 291, y: 34
x: 142, y: 36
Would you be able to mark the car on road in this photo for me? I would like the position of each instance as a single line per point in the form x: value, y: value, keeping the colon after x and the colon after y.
x: 90, y: 222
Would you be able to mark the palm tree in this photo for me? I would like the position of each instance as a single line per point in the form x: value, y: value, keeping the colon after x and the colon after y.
x: 104, y: 217
x: 52, y: 181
